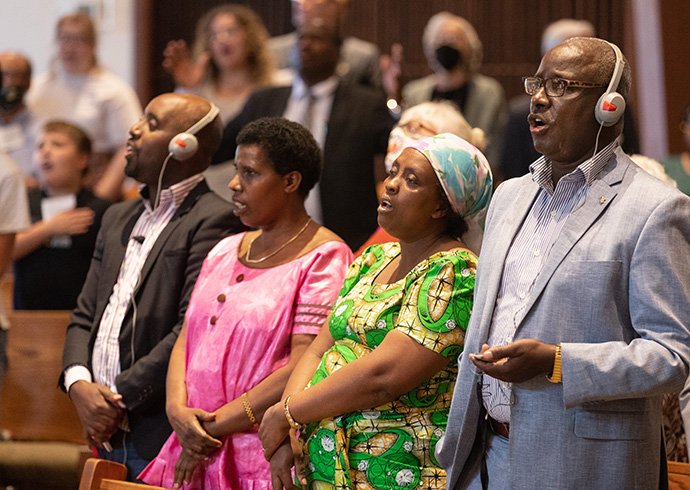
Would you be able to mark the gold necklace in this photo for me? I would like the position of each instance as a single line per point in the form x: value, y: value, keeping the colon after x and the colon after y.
x: 256, y: 261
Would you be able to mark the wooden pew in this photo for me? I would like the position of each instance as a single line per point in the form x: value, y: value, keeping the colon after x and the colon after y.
x: 106, y: 475
x: 46, y: 449
x: 32, y: 407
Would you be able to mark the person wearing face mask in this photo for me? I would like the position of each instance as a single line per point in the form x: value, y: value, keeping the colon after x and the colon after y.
x: 17, y: 123
x: 454, y: 53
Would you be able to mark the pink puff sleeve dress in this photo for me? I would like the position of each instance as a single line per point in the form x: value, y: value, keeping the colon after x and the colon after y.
x: 239, y: 326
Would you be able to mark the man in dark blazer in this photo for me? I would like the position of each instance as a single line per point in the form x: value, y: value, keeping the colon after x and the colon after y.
x: 147, y: 258
x: 356, y: 130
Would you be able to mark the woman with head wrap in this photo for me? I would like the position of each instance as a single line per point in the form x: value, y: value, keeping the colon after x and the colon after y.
x: 418, y: 122
x: 371, y: 394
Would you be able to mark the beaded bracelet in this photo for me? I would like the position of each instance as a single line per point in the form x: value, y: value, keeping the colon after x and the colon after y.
x: 248, y: 409
x: 288, y: 416
x: 556, y: 375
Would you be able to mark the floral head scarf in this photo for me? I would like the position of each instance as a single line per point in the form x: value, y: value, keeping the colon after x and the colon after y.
x: 465, y: 176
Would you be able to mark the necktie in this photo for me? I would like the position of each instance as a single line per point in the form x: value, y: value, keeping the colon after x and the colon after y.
x: 308, y: 119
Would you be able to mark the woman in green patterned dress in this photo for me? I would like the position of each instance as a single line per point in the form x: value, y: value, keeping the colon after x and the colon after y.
x: 370, y: 397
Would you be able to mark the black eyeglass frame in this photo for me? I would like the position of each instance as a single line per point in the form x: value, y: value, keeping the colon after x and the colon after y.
x: 549, y: 88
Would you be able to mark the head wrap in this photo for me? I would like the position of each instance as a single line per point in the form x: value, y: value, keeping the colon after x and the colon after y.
x: 465, y: 176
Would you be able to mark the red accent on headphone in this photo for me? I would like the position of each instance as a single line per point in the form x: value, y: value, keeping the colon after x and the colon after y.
x: 183, y: 144
x: 608, y: 106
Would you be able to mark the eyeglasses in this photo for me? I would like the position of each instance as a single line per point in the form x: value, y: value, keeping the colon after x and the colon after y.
x: 554, y: 87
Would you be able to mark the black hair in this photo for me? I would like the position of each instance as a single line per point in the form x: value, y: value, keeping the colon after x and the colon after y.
x: 456, y: 226
x: 289, y: 147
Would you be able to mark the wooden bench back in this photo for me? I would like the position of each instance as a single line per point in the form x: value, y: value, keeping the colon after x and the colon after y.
x: 100, y: 474
x: 32, y: 407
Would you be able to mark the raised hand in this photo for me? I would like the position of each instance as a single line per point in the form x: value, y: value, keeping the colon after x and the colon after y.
x: 179, y: 62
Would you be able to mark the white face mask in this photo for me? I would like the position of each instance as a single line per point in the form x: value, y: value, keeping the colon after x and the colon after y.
x: 397, y: 141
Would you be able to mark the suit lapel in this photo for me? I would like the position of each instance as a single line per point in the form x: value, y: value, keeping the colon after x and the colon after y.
x: 175, y: 221
x: 515, y: 214
x: 112, y: 260
x: 597, y: 200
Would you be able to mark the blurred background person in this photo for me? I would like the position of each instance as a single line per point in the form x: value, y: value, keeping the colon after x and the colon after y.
x: 454, y: 53
x: 53, y: 255
x: 261, y: 298
x: 17, y: 124
x: 418, y: 122
x: 359, y: 59
x: 79, y: 90
x: 349, y: 121
x: 518, y: 150
x: 14, y: 216
x: 230, y: 59
x: 678, y: 166
x: 378, y: 380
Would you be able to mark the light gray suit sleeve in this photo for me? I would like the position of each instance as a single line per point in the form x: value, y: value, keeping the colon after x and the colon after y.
x: 656, y: 360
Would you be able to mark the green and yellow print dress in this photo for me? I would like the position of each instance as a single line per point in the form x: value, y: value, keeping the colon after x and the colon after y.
x: 392, y: 446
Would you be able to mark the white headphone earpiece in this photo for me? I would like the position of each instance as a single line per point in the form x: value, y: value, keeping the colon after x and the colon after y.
x: 184, y: 145
x: 611, y: 104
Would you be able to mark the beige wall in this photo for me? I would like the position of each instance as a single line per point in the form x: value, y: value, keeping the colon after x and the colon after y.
x: 28, y: 26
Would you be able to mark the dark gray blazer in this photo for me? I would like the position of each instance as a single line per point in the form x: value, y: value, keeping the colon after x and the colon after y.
x: 166, y: 284
x: 358, y: 128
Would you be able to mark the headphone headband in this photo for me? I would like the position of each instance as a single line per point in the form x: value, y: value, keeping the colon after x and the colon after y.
x: 617, y: 70
x: 207, y: 119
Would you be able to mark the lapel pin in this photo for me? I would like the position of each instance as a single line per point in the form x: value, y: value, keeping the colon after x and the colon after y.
x: 602, y: 200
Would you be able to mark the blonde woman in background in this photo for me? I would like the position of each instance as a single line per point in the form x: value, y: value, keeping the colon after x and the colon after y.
x: 78, y: 90
x: 230, y: 58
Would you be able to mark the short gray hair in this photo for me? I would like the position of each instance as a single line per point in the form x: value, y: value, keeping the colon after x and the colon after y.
x: 431, y: 30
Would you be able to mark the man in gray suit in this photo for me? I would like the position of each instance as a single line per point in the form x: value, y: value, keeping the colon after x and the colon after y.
x: 582, y: 300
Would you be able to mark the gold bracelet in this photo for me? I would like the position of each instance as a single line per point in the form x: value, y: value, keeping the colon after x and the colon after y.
x: 248, y: 409
x: 556, y: 375
x: 288, y: 416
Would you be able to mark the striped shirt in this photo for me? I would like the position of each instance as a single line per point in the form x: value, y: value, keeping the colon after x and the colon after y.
x: 527, y: 256
x: 147, y: 229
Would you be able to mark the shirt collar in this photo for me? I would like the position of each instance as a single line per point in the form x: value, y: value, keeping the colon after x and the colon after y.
x: 587, y: 171
x: 300, y: 90
x: 173, y: 195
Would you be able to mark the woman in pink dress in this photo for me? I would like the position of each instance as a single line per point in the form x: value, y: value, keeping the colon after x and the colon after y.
x: 260, y: 300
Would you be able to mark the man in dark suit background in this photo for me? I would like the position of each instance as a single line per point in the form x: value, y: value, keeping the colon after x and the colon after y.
x: 349, y: 121
x: 147, y: 258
